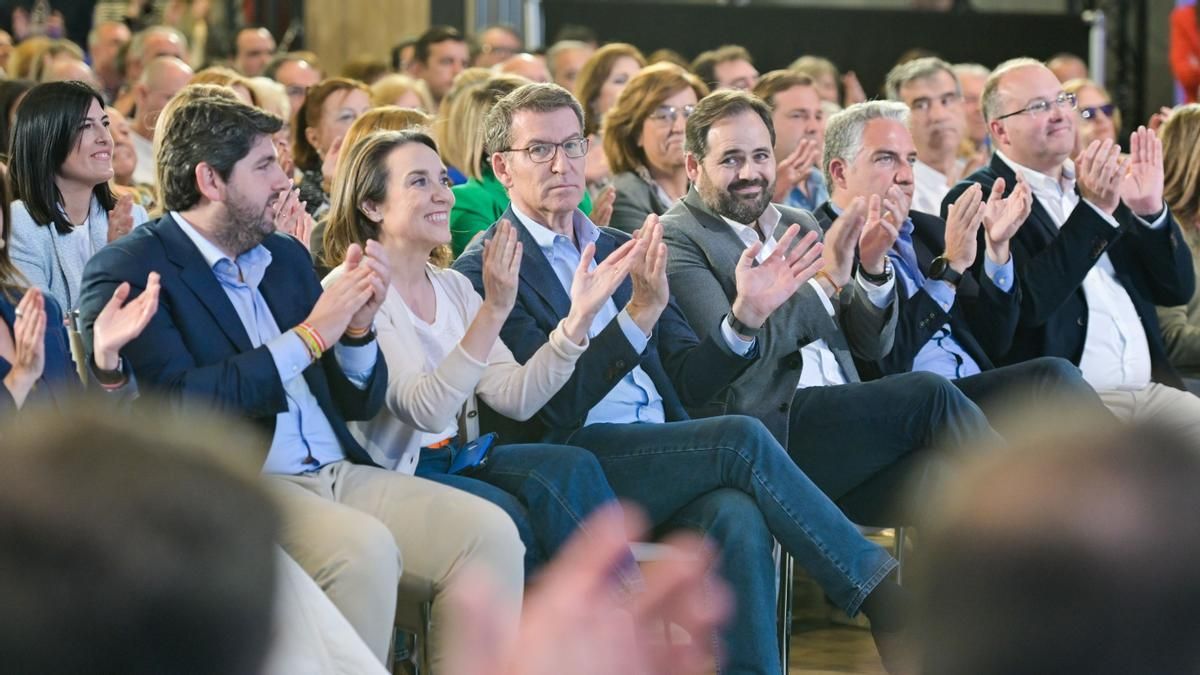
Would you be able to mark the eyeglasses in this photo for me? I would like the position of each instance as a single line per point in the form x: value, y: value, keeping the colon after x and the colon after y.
x: 670, y: 113
x: 545, y: 152
x: 1042, y: 106
x: 1090, y: 112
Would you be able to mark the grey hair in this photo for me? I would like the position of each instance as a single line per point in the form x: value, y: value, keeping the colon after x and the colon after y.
x: 977, y: 69
x: 991, y: 90
x: 844, y: 131
x: 137, y: 45
x: 536, y: 97
x: 917, y: 69
x: 560, y: 47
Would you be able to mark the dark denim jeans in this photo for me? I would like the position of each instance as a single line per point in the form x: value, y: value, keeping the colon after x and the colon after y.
x: 548, y: 490
x: 667, y: 468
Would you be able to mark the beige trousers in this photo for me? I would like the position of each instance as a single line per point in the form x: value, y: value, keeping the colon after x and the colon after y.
x: 311, y: 635
x: 348, y: 526
x: 1168, y: 407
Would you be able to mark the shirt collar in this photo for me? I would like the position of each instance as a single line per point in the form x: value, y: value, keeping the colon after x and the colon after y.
x: 767, y: 222
x: 1039, y: 181
x: 252, y: 264
x: 586, y: 231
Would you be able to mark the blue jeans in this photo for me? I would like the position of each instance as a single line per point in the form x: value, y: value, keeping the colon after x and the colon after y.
x: 548, y: 490
x: 665, y: 468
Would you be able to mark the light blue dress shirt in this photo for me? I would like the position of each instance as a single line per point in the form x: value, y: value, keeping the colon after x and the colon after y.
x: 818, y: 194
x: 304, y: 440
x: 634, y: 398
x: 942, y: 354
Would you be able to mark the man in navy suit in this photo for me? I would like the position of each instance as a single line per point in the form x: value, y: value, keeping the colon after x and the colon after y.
x: 954, y: 320
x: 1098, y: 251
x: 243, y: 327
x: 625, y: 401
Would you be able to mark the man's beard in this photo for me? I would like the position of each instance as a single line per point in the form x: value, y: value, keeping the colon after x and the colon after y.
x: 246, y: 226
x: 726, y: 204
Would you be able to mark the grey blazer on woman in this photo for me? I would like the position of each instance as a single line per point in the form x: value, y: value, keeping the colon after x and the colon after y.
x: 636, y: 199
x: 704, y: 252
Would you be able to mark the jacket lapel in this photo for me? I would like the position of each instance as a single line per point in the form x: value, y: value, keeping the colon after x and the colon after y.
x: 196, y: 274
x: 536, y: 272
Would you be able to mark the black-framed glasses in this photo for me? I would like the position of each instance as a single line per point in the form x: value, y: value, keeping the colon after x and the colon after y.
x: 670, y: 113
x: 1090, y: 112
x: 1042, y: 106
x: 545, y: 152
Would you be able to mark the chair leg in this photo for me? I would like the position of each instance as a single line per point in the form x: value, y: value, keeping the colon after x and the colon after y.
x: 900, y: 555
x: 784, y: 591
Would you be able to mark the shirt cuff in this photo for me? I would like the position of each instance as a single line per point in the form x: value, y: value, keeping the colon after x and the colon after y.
x: 357, y: 362
x: 1108, y: 217
x: 736, y: 343
x: 632, y: 332
x: 1159, y: 222
x: 942, y: 293
x: 821, y: 294
x: 881, y: 295
x: 1000, y: 275
x: 290, y: 355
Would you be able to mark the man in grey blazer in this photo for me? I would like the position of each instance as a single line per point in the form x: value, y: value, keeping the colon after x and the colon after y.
x: 858, y: 441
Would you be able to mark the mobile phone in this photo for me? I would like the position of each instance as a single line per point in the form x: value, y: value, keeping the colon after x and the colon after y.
x: 472, y: 455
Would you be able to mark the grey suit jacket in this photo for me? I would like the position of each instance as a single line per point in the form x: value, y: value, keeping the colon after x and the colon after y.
x: 635, y: 200
x: 704, y: 252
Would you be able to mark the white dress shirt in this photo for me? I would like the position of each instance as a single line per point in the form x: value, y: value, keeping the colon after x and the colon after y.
x: 145, y: 173
x: 1116, y: 354
x: 930, y: 187
x: 821, y: 367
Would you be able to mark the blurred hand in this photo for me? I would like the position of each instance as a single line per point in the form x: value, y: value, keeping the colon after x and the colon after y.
x: 602, y: 206
x: 120, y: 219
x: 29, y: 345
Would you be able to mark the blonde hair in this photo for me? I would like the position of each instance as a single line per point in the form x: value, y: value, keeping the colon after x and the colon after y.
x: 225, y: 77
x: 641, y: 97
x: 388, y: 88
x: 464, y: 147
x: 362, y: 176
x: 1181, y: 163
x: 593, y: 75
x: 271, y: 97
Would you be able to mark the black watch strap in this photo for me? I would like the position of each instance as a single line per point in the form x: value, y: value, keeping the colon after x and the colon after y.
x: 877, y: 279
x: 361, y: 341
x: 940, y: 269
x: 741, y: 328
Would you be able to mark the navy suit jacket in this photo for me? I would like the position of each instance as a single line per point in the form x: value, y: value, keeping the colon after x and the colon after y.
x: 1154, y: 267
x: 982, y: 319
x: 686, y: 370
x: 196, y: 350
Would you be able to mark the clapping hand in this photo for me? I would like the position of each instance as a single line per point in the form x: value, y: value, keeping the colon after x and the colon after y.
x: 501, y: 268
x: 841, y: 240
x: 762, y: 288
x: 591, y: 288
x: 963, y: 219
x: 120, y: 219
x: 292, y: 218
x: 650, y: 289
x: 120, y: 322
x: 1142, y: 183
x: 29, y: 345
x: 1099, y: 172
x: 602, y: 206
x: 880, y: 230
x: 1003, y: 217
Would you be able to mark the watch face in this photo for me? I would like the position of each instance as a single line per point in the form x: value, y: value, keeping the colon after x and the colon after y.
x: 937, y: 268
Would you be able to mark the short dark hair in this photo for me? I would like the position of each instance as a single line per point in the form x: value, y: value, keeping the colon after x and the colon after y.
x: 155, y: 556
x: 47, y: 128
x: 716, y: 107
x: 779, y: 81
x: 279, y: 60
x: 705, y: 65
x: 433, y: 36
x: 216, y: 131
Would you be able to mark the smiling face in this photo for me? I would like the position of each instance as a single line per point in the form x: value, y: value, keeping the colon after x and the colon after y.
x: 542, y: 189
x: 90, y: 159
x: 1039, y: 141
x: 884, y: 159
x: 661, y: 139
x: 417, y: 207
x: 255, y: 185
x: 737, y: 177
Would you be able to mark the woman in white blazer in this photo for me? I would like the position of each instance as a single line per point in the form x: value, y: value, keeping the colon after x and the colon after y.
x: 441, y: 343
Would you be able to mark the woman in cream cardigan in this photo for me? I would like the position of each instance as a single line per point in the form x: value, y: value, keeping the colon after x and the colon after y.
x: 441, y: 343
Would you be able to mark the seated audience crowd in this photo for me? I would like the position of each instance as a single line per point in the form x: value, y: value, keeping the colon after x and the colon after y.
x: 486, y: 318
